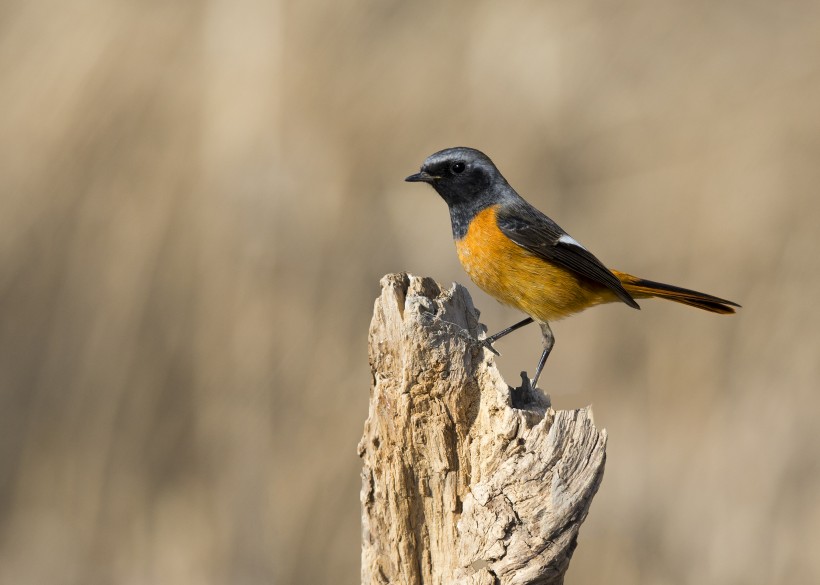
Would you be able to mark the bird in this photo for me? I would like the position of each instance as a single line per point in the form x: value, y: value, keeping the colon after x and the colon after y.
x: 523, y: 259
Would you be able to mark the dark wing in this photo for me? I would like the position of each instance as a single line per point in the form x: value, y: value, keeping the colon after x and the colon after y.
x: 538, y: 234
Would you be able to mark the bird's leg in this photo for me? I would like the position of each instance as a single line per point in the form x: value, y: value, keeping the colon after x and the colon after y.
x: 548, y: 342
x: 508, y: 330
x: 488, y: 341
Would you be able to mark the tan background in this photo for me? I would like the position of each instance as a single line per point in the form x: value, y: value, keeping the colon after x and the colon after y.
x: 198, y: 201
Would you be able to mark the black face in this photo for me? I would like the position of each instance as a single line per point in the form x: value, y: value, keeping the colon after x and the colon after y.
x: 459, y: 175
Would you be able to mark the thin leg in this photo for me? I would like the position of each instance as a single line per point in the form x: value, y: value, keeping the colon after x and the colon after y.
x: 548, y: 341
x: 508, y: 330
x: 488, y: 342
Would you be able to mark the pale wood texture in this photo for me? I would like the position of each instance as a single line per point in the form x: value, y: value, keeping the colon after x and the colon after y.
x: 465, y: 480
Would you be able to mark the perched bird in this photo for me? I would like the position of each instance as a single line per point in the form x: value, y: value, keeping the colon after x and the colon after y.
x: 521, y: 257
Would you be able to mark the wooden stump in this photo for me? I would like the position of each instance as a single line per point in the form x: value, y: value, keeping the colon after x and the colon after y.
x: 465, y: 480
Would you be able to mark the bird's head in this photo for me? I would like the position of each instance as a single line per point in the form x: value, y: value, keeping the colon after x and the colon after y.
x: 459, y: 175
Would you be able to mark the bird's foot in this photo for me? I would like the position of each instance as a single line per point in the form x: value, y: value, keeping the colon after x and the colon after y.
x: 487, y: 343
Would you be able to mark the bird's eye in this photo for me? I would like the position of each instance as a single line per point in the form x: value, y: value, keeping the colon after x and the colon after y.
x: 458, y: 167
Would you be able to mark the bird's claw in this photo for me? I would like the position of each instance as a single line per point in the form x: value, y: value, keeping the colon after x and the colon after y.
x: 488, y: 344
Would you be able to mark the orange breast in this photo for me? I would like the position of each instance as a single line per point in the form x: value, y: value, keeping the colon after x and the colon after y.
x: 519, y: 278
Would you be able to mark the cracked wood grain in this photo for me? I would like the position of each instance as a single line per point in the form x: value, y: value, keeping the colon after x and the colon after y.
x: 465, y: 479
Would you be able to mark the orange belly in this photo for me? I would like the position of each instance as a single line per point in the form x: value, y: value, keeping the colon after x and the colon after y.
x: 518, y: 278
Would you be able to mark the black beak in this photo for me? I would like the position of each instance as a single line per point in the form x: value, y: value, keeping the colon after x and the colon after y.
x: 422, y: 177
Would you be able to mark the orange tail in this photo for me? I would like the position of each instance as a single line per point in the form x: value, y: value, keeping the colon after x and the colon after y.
x: 643, y: 289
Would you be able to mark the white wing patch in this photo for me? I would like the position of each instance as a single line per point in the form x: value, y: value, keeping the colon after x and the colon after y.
x: 569, y: 240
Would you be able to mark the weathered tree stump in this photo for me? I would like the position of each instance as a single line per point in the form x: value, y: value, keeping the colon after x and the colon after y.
x: 466, y: 480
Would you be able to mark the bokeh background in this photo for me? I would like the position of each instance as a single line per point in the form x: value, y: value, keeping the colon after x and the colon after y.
x: 197, y: 201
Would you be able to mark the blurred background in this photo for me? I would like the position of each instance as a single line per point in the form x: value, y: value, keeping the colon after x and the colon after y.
x: 197, y: 201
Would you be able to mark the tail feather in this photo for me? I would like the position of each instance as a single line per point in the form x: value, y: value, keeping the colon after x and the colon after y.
x: 642, y: 288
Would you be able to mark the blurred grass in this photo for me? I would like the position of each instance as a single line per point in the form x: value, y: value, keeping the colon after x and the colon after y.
x: 198, y: 200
